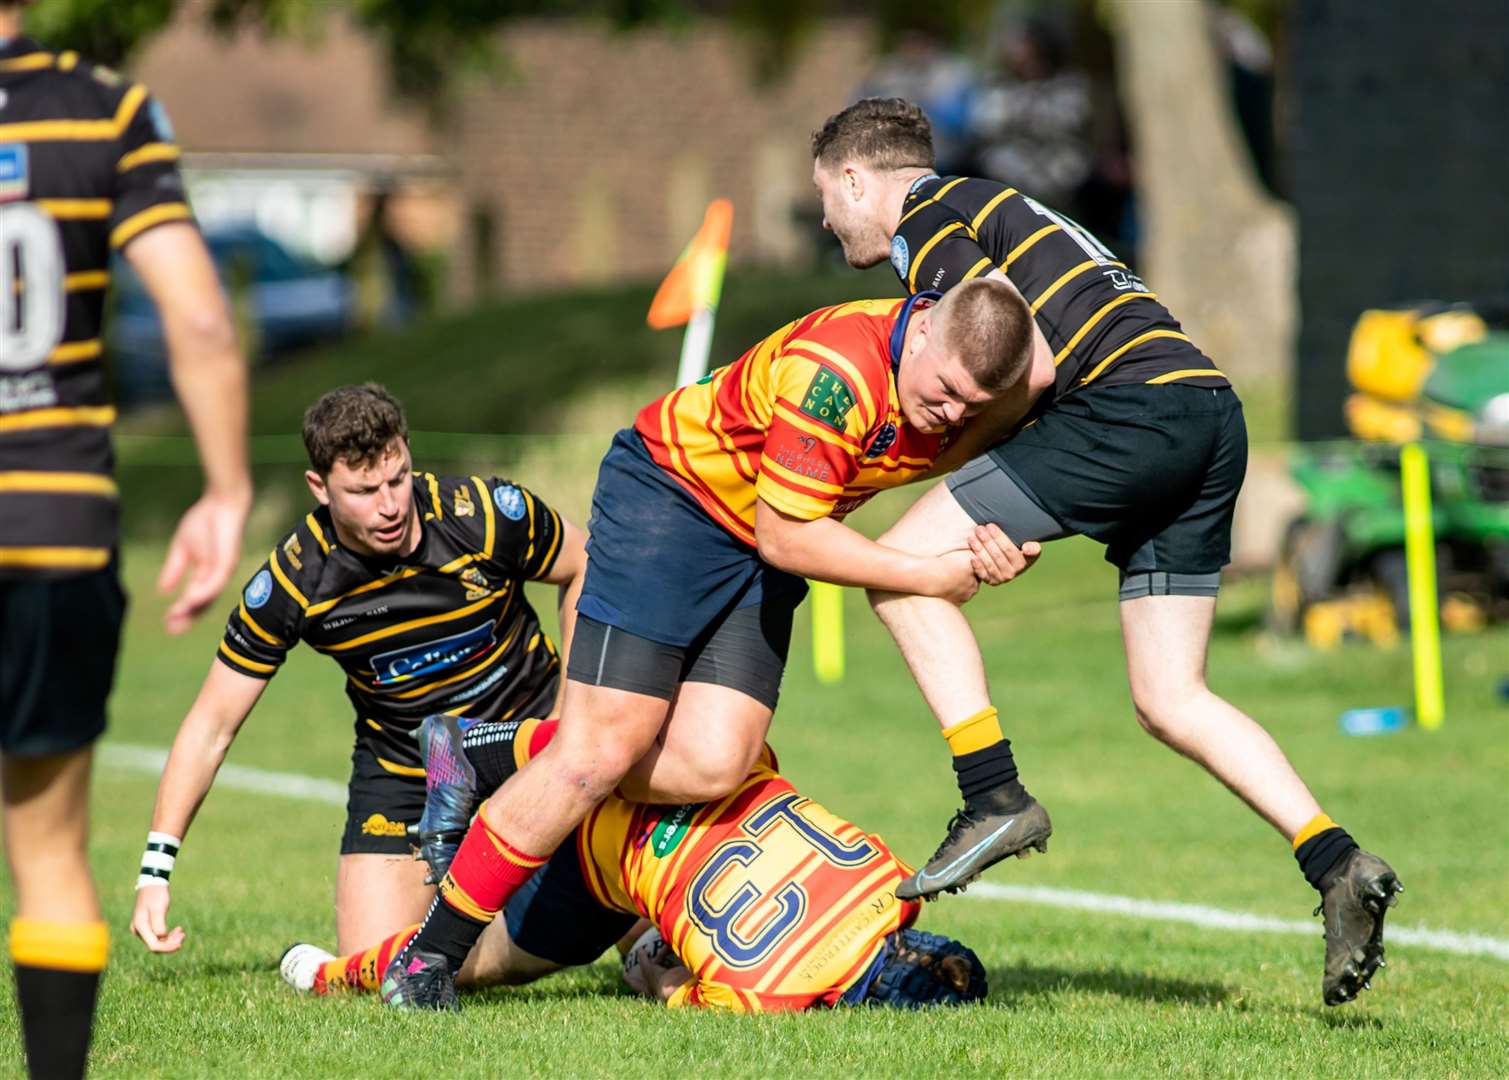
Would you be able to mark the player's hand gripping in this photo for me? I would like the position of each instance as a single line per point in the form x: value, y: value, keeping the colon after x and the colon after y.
x: 995, y: 559
x: 206, y: 545
x: 150, y: 920
x: 954, y: 577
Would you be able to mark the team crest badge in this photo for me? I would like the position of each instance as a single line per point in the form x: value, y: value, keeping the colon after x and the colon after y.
x: 901, y: 255
x: 292, y: 549
x: 260, y: 590
x: 884, y: 439
x: 463, y: 505
x: 476, y: 585
x: 510, y: 501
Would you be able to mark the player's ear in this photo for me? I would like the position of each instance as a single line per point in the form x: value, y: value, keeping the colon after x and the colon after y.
x: 317, y: 487
x: 854, y: 182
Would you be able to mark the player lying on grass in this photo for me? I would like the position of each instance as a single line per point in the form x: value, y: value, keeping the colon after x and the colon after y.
x: 413, y: 583
x: 1136, y: 440
x: 760, y: 901
x: 708, y: 514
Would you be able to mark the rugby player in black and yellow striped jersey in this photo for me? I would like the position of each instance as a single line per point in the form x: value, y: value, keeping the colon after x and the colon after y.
x: 1126, y: 433
x: 414, y: 584
x: 88, y: 168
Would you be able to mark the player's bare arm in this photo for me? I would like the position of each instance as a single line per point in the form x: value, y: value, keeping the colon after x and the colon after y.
x: 826, y: 549
x: 209, y: 377
x: 568, y: 572
x: 225, y: 700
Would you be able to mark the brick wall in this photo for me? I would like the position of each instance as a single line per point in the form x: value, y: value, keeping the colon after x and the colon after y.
x: 595, y: 158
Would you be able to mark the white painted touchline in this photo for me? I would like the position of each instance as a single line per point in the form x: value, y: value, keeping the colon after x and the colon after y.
x: 241, y: 777
x: 297, y: 786
x: 1220, y: 919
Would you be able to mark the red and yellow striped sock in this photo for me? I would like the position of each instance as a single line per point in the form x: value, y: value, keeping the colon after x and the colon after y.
x: 361, y: 970
x: 486, y: 872
x: 533, y: 736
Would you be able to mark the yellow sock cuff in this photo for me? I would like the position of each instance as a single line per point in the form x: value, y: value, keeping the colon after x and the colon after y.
x: 59, y: 946
x: 1318, y: 824
x: 976, y: 733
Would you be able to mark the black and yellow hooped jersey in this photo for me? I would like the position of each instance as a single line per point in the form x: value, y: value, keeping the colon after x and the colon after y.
x: 445, y: 629
x: 1104, y: 325
x: 87, y: 164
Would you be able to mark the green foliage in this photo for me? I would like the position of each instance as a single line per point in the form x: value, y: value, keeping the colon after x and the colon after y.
x: 104, y: 31
x: 428, y: 44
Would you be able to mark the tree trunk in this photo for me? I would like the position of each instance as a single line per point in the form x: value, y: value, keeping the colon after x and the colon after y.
x: 1216, y: 247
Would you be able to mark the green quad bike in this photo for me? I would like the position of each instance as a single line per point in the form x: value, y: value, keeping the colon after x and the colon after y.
x: 1434, y: 375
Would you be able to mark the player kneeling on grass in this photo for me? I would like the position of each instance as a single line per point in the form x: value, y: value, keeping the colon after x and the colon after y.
x: 413, y: 583
x: 773, y: 902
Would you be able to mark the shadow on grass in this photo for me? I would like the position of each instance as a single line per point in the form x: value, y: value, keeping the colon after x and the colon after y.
x: 1010, y: 985
x: 1350, y: 1021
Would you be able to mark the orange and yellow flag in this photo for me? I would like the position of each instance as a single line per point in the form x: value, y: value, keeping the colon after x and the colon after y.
x: 696, y: 280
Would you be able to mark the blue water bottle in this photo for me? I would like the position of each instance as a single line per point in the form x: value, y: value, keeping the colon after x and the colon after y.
x: 1379, y: 721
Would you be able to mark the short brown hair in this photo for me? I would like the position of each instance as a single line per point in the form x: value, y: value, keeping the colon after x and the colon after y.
x: 354, y: 424
x: 987, y: 324
x: 884, y: 133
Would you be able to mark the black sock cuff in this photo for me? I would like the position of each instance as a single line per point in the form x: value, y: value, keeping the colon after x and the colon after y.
x: 1317, y: 855
x: 985, y: 770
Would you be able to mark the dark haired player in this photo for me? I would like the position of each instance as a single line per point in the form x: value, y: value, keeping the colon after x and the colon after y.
x: 413, y: 583
x: 760, y: 901
x: 1136, y: 440
x: 88, y: 167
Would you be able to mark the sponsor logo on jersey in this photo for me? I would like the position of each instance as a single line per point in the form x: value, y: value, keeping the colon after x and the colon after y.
x: 828, y: 399
x: 378, y: 825
x: 666, y: 836
x: 510, y: 501
x: 260, y: 590
x: 13, y: 174
x: 901, y: 255
x: 431, y: 657
x: 462, y: 505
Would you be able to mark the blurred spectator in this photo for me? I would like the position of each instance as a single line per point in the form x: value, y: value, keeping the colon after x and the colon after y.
x: 922, y: 70
x: 383, y: 270
x: 1031, y: 121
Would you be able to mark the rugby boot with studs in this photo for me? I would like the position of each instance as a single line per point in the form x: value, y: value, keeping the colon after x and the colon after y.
x: 419, y: 980
x: 990, y: 827
x: 450, y: 794
x: 1355, y: 895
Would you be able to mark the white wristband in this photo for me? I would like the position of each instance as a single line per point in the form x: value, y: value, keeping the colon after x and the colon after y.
x: 158, y: 859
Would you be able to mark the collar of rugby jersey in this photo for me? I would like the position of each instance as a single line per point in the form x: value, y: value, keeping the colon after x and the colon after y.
x: 917, y: 183
x: 11, y: 48
x: 898, y: 332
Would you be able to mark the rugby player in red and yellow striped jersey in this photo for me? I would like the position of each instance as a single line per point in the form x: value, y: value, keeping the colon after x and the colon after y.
x: 707, y: 517
x: 761, y: 901
x: 808, y: 421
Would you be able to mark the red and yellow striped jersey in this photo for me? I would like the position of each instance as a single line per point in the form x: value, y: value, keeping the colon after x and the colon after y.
x: 771, y: 901
x: 808, y: 420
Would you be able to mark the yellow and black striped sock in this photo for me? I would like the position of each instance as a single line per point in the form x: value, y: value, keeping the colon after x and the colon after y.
x: 58, y: 968
x: 983, y: 763
x: 1320, y: 845
x: 362, y: 970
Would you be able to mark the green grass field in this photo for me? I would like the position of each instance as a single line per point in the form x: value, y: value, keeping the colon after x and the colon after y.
x: 1072, y: 992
